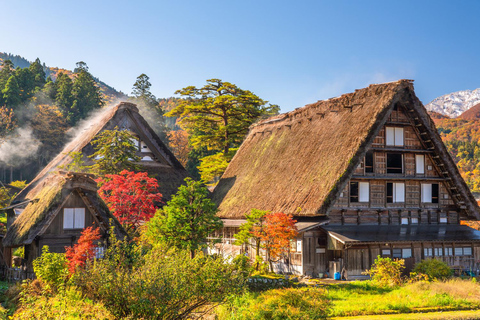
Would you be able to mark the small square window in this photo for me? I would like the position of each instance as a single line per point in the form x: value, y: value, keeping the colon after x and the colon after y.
x: 428, y: 252
x: 404, y: 220
x: 406, y: 253
x: 386, y: 252
x: 443, y: 220
x: 397, y: 253
x: 73, y: 218
x: 458, y: 251
x: 414, y: 220
x: 449, y: 251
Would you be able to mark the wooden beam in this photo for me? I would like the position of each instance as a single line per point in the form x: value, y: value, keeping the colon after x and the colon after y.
x: 354, y: 177
x: 400, y: 149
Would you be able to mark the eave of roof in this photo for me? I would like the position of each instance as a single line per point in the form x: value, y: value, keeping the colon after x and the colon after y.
x: 358, y: 234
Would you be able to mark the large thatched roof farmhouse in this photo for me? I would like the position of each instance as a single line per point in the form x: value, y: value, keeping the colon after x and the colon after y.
x: 365, y: 174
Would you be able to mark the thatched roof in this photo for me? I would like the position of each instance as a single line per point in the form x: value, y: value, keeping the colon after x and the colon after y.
x: 300, y: 161
x: 47, y: 199
x: 167, y: 169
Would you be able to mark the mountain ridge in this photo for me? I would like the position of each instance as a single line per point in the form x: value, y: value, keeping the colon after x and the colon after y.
x: 455, y: 103
x: 109, y: 92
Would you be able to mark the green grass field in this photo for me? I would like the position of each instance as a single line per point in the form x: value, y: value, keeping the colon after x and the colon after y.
x: 364, y: 299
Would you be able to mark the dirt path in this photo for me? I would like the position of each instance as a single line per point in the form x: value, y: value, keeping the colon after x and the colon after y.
x: 457, y: 315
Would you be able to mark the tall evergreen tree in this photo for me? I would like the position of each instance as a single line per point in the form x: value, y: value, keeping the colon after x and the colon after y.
x: 155, y: 114
x: 63, y: 93
x: 38, y: 73
x: 11, y: 92
x: 87, y: 96
x: 26, y: 83
x: 141, y: 91
x: 5, y: 73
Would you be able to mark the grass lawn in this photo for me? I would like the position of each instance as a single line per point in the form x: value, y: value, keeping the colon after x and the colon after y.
x: 363, y: 298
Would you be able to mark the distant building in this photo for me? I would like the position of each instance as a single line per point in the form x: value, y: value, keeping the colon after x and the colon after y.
x: 365, y: 174
x: 55, y: 213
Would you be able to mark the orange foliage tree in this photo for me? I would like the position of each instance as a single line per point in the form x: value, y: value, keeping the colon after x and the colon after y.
x: 83, y: 250
x: 179, y: 145
x: 277, y: 231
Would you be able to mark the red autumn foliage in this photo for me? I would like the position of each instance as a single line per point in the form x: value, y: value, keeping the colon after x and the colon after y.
x: 276, y: 232
x: 83, y: 250
x: 130, y: 196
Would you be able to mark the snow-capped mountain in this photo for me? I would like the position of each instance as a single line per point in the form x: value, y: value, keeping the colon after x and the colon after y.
x: 454, y: 104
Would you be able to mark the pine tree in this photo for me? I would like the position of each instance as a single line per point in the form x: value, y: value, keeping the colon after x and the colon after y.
x: 87, y: 96
x: 63, y: 96
x: 11, y: 93
x: 38, y: 73
x: 26, y: 83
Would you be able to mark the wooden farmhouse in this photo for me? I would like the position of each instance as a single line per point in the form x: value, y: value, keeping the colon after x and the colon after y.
x: 47, y: 210
x: 156, y: 158
x: 365, y: 175
x: 55, y: 212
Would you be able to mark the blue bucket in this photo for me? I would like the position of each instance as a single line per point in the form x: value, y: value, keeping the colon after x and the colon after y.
x: 337, y: 276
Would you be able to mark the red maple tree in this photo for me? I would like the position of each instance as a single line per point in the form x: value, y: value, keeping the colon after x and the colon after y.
x: 130, y: 196
x: 83, y: 250
x: 276, y: 232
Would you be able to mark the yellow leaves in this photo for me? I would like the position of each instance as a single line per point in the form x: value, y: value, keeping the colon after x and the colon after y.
x: 178, y: 142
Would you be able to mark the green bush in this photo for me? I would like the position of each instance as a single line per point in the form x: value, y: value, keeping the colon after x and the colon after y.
x: 161, y: 284
x: 387, y: 272
x: 434, y: 269
x: 304, y: 303
x: 242, y: 263
x: 70, y: 304
x: 51, y: 268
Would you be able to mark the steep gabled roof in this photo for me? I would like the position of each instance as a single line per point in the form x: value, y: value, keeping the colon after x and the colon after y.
x: 47, y: 200
x: 168, y: 170
x: 300, y: 161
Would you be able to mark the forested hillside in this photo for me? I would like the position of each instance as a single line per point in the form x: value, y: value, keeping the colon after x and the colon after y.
x: 462, y: 138
x: 38, y: 107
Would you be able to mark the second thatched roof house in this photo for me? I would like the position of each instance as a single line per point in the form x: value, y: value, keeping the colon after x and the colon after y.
x: 156, y: 158
x: 366, y: 174
x: 55, y: 214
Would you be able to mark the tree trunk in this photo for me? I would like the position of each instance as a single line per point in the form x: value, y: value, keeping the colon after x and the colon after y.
x: 226, y: 146
x: 257, y: 254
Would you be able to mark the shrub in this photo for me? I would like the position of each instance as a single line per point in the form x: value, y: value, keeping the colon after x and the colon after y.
x: 161, y: 284
x: 387, y: 272
x: 434, y: 269
x: 304, y: 303
x: 51, y: 268
x: 242, y: 264
x: 68, y: 305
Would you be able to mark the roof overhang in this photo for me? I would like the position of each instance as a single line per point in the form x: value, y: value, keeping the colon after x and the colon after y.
x: 301, y: 226
x: 382, y: 234
x: 16, y: 205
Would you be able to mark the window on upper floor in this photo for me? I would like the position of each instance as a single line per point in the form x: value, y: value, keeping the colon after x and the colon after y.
x: 369, y: 162
x: 394, y: 163
x: 430, y: 192
x: 395, y: 192
x: 73, y: 218
x: 394, y: 136
x: 359, y: 191
x: 420, y: 164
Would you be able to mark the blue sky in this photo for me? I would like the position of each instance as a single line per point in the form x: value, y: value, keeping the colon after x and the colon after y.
x: 288, y: 52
